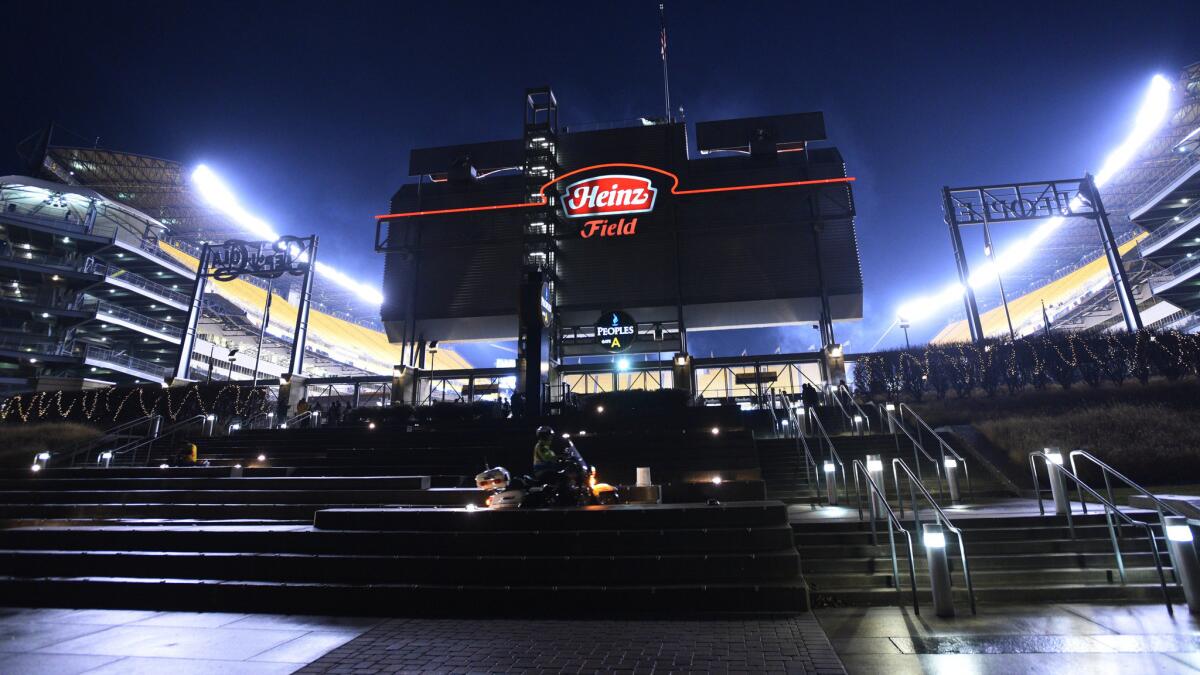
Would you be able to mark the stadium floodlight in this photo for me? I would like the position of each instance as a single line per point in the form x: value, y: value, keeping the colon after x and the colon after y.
x: 218, y: 194
x: 1153, y: 111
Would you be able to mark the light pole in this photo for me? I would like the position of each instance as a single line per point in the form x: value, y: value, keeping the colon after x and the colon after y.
x: 904, y: 323
x: 232, y: 353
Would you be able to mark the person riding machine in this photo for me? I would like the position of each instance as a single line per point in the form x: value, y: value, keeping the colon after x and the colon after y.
x: 560, y: 477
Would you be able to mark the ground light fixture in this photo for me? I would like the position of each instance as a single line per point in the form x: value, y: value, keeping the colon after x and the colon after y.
x: 716, y: 430
x: 471, y: 508
x: 716, y: 480
x: 370, y: 425
x: 262, y: 458
x: 600, y: 409
x: 1184, y: 558
x: 164, y: 465
x: 35, y: 468
x: 939, y: 569
x: 1058, y: 486
x: 831, y: 483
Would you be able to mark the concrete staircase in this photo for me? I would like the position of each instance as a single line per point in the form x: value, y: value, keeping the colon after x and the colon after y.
x: 1011, y: 558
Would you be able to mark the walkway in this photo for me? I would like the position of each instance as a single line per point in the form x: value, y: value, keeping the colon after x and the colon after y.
x: 1051, y: 639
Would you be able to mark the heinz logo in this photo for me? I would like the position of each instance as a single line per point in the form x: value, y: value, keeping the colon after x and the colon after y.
x: 609, y: 196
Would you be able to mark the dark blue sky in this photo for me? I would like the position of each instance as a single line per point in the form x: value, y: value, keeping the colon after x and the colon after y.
x: 309, y: 109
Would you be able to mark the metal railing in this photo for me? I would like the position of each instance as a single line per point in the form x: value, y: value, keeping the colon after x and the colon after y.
x: 103, y: 355
x: 861, y: 413
x: 833, y: 454
x: 1181, y: 221
x: 108, y: 309
x: 1110, y: 511
x: 1181, y: 166
x: 112, y: 433
x: 1173, y: 272
x: 944, y: 447
x: 293, y: 421
x: 878, y: 501
x: 811, y: 470
x: 131, y: 449
x: 141, y: 282
x: 918, y: 452
x: 915, y: 484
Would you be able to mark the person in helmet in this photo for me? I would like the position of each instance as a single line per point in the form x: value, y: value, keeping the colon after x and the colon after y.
x: 544, y: 456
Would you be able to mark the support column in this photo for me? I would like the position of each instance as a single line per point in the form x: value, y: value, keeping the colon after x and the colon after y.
x: 300, y: 335
x: 964, y: 271
x: 683, y: 374
x: 184, y: 362
x: 291, y: 390
x: 1129, y: 309
x: 533, y: 346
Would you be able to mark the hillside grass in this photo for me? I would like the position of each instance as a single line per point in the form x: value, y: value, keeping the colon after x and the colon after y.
x: 20, y: 442
x: 1150, y: 433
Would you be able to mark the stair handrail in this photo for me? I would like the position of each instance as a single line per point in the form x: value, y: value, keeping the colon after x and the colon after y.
x: 915, y: 484
x: 802, y: 448
x: 136, y: 445
x: 850, y: 397
x: 894, y: 524
x: 918, y: 446
x: 944, y: 446
x: 1107, y: 469
x: 287, y: 424
x: 833, y: 453
x: 837, y: 400
x: 87, y: 447
x: 1109, y: 510
x: 249, y: 422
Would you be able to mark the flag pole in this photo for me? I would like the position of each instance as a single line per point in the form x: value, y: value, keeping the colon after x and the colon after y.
x: 662, y: 19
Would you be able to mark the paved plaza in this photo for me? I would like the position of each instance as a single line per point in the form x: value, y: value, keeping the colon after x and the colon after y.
x: 1051, y: 638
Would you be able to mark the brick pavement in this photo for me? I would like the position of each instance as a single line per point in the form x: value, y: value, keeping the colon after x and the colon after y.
x: 794, y: 644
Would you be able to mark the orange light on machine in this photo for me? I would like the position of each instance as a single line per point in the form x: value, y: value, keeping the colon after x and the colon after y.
x: 542, y: 200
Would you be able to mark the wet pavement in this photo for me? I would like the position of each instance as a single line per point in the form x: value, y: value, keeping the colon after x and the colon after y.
x: 1051, y: 638
x: 113, y: 641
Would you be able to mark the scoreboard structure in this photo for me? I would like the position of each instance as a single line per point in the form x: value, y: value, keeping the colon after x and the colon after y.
x: 581, y: 242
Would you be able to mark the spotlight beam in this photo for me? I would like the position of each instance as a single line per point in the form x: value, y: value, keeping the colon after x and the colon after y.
x: 220, y: 197
x: 1150, y: 117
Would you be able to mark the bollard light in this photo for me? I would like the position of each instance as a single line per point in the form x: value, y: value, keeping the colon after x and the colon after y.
x: 1179, y: 533
x: 235, y: 427
x: 471, y: 508
x: 164, y: 465
x: 35, y: 468
x: 566, y: 435
x: 716, y: 430
x: 262, y: 458
x: 874, y: 465
x: 950, y: 463
x: 1058, y: 484
x: 831, y: 495
x: 599, y: 408
x: 1054, y: 456
x: 857, y: 419
x: 935, y: 539
x: 890, y: 407
x: 1184, y: 559
x: 283, y: 425
x: 210, y: 418
x: 370, y: 425
x: 44, y: 456
x: 829, y: 467
x: 716, y: 480
x: 582, y: 432
x: 939, y: 569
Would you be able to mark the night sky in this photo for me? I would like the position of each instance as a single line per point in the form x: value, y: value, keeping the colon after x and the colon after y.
x: 309, y: 110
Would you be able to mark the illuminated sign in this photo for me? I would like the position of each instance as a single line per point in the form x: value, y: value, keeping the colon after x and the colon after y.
x: 262, y: 259
x: 609, y: 195
x: 616, y: 331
